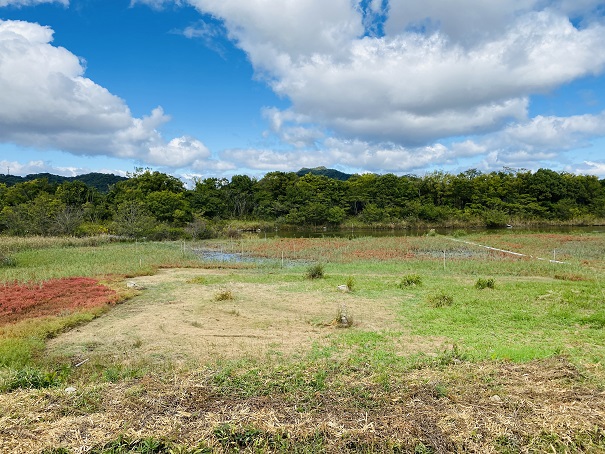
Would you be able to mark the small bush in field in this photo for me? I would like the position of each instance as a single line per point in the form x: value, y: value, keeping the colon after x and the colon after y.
x: 224, y: 295
x: 315, y: 271
x: 410, y: 280
x: 441, y: 299
x: 485, y: 283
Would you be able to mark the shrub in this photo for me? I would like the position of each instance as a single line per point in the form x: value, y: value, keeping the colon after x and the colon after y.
x: 410, y: 280
x: 441, y: 299
x: 485, y: 283
x: 315, y: 271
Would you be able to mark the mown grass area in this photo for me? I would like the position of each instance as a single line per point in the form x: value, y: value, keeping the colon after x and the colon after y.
x: 482, y: 351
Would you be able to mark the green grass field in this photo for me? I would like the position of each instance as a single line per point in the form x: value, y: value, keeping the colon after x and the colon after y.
x: 451, y: 347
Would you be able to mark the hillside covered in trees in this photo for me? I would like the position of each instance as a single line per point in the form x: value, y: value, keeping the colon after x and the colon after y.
x: 156, y: 205
x: 100, y: 181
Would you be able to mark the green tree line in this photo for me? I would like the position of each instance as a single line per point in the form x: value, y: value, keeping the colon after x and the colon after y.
x: 156, y: 205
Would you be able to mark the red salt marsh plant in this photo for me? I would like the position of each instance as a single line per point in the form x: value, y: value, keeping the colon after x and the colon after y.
x: 51, y: 298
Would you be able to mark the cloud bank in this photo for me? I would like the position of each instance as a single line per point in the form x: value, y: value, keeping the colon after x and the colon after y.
x: 373, y: 85
x: 47, y: 103
x: 392, y: 79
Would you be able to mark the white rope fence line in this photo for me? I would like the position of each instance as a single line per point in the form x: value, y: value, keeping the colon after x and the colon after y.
x: 518, y: 254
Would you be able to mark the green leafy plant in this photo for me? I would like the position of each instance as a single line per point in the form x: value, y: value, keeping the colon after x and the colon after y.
x: 441, y: 299
x: 31, y: 378
x: 485, y: 283
x: 410, y: 280
x: 315, y: 271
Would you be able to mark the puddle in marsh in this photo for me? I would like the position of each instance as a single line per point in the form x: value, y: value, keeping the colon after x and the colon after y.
x: 212, y: 255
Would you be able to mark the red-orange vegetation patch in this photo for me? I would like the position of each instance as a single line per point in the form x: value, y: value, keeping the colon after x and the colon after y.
x: 54, y: 297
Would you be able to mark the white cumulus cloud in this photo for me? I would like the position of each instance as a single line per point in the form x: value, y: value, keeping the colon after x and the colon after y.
x: 46, y: 102
x: 410, y: 73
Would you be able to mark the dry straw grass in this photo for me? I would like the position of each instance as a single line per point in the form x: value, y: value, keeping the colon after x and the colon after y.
x: 486, y: 408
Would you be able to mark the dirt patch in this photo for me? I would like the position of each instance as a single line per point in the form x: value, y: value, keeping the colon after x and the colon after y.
x: 177, y: 319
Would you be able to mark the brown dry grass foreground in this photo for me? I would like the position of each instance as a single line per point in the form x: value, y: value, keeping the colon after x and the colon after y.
x: 184, y: 366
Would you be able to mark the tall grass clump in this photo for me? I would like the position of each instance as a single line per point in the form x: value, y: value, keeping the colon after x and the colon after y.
x: 315, y: 271
x: 485, y: 283
x: 441, y: 299
x: 350, y: 283
x: 410, y: 280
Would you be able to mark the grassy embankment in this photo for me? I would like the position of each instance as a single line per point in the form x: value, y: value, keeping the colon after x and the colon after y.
x: 453, y: 347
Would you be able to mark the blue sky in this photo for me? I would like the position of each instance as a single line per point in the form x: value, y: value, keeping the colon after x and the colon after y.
x: 222, y: 87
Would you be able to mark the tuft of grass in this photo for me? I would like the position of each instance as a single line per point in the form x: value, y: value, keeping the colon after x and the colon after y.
x: 410, y: 280
x: 315, y: 271
x: 440, y: 299
x: 350, y: 283
x: 223, y: 295
x: 485, y: 283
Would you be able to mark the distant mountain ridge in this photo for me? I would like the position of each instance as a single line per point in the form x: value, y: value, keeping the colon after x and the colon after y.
x: 330, y: 173
x: 100, y: 181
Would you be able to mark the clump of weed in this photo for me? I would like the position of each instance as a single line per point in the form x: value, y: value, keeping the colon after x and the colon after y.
x: 343, y: 318
x: 148, y: 445
x: 485, y: 283
x: 350, y: 283
x: 315, y: 271
x: 235, y: 438
x: 198, y: 280
x: 450, y: 356
x: 431, y: 232
x: 224, y: 295
x: 441, y: 299
x: 31, y: 378
x: 410, y: 280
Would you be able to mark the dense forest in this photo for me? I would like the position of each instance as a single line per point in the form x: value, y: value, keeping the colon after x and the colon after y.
x: 156, y: 205
x: 100, y: 181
